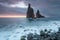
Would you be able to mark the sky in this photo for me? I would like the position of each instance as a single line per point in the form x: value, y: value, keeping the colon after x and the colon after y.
x: 48, y: 8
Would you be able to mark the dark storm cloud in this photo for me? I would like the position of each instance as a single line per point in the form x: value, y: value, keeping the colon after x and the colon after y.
x: 5, y: 10
x: 46, y: 7
x: 4, y: 7
x: 6, y: 1
x: 54, y: 8
x: 9, y: 1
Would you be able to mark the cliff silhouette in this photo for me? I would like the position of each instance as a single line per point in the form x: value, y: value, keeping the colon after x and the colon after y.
x: 38, y: 15
x: 30, y: 13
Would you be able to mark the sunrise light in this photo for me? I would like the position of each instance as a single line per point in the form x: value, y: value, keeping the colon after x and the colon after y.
x: 12, y: 16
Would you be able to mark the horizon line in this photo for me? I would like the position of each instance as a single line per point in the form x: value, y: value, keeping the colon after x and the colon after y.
x: 12, y: 16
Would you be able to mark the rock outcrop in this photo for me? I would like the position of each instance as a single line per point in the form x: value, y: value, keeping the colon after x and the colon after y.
x: 30, y: 12
x: 38, y: 15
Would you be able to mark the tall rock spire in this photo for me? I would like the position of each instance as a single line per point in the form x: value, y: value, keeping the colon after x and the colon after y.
x: 30, y: 12
x: 38, y: 15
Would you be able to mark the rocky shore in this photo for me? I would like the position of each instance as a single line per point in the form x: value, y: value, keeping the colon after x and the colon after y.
x: 44, y: 35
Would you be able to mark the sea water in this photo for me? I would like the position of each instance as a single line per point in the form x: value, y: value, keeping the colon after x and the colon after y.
x: 14, y: 28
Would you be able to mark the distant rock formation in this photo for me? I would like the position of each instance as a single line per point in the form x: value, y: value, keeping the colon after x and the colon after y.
x: 38, y: 15
x: 30, y: 12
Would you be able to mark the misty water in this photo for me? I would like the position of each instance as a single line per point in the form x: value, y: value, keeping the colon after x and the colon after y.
x: 14, y: 28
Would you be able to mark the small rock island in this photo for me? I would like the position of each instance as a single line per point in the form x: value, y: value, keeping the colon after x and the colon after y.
x: 38, y: 15
x: 30, y: 13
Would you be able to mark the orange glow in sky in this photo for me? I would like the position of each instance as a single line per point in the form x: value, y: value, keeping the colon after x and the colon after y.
x: 12, y: 16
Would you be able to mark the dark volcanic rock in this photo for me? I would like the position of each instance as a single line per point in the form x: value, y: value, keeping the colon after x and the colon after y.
x: 30, y: 12
x: 38, y: 15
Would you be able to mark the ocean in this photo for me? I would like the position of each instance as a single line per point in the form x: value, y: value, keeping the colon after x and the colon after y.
x: 14, y: 28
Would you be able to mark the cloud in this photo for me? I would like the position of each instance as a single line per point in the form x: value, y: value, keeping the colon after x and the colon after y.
x: 9, y: 1
x: 5, y: 8
x: 54, y: 8
x: 46, y: 7
x: 19, y: 4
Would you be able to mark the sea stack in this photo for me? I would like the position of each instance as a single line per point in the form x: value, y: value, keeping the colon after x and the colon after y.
x: 30, y: 12
x: 38, y: 15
